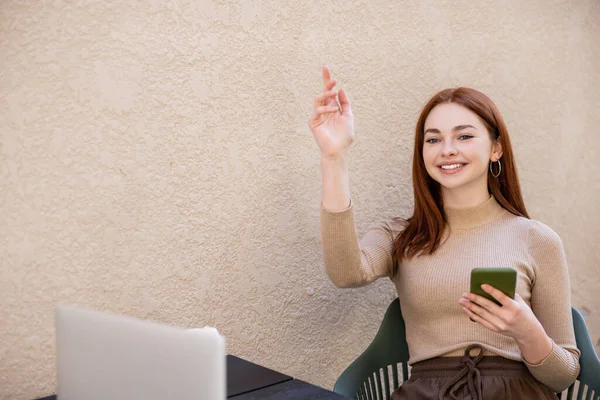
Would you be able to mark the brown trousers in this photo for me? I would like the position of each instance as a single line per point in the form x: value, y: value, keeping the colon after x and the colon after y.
x: 471, y: 378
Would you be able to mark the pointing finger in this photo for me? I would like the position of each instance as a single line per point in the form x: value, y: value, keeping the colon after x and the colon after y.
x: 326, y: 73
x: 328, y: 82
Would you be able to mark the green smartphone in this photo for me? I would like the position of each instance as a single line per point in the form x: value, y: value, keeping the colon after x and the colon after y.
x: 503, y: 279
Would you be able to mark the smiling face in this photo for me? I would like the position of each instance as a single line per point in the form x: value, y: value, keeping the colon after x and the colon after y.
x: 457, y: 150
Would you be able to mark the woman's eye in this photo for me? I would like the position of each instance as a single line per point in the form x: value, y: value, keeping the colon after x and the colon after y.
x: 465, y: 137
x: 432, y: 140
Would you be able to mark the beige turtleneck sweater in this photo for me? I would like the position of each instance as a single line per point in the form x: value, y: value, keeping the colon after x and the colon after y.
x: 430, y: 286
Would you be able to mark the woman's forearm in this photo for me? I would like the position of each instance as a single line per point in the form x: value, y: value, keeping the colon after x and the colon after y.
x: 336, y: 183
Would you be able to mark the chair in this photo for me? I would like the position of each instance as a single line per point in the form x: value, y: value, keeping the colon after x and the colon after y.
x: 368, y: 377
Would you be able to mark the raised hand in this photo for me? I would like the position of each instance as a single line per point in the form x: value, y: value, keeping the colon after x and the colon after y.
x: 332, y: 125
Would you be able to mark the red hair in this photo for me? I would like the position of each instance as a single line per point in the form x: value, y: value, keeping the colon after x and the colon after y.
x: 424, y: 229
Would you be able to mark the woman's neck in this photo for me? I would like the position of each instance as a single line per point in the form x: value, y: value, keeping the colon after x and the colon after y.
x: 471, y: 217
x: 458, y: 199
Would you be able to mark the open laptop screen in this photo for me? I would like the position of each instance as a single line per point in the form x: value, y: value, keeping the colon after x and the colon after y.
x: 105, y: 356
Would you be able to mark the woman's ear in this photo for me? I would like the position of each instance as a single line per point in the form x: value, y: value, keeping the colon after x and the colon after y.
x: 496, y: 151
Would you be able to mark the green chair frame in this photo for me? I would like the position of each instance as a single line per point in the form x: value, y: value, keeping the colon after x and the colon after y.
x: 375, y: 374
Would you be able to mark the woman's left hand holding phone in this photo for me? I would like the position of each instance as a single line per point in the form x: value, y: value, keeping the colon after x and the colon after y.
x: 514, y: 319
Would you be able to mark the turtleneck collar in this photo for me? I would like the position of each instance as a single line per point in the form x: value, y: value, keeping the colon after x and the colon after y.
x: 472, y: 217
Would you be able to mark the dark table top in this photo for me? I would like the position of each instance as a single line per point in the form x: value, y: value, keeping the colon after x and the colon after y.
x: 245, y: 376
x: 248, y: 381
x: 294, y: 389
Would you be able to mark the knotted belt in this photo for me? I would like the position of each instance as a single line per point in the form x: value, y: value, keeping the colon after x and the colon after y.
x: 469, y: 375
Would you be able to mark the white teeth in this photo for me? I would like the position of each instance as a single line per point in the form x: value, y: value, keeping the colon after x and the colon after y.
x: 453, y: 166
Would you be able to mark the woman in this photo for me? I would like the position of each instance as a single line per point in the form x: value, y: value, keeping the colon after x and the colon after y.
x: 468, y: 213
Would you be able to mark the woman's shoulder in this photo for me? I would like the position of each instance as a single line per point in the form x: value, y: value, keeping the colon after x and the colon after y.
x: 537, y: 232
x: 541, y: 235
x: 393, y: 225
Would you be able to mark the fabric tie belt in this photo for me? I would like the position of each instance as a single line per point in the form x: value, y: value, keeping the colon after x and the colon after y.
x: 469, y: 375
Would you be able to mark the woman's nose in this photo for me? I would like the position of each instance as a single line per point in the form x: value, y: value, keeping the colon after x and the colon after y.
x: 449, y: 149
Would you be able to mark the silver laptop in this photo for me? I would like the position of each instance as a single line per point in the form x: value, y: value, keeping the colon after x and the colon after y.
x: 105, y: 356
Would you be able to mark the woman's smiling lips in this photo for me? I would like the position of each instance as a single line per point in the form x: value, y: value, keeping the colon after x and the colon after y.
x: 451, y: 168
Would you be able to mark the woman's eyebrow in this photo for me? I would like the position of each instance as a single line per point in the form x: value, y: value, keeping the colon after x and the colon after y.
x: 455, y: 129
x: 461, y: 127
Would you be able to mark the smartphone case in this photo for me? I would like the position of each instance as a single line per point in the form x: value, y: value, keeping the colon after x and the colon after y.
x: 503, y: 279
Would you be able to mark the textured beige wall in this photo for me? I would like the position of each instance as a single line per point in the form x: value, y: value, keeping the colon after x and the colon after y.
x: 155, y: 159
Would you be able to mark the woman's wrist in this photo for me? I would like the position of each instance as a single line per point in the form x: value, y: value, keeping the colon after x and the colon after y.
x: 335, y: 160
x: 535, y: 347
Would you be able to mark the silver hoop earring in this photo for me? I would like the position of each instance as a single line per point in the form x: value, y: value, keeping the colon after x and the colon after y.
x: 499, y: 169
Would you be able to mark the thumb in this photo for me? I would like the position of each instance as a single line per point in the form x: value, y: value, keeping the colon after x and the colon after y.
x: 345, y: 103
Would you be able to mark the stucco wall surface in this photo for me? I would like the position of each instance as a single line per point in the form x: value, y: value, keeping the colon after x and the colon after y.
x: 155, y: 159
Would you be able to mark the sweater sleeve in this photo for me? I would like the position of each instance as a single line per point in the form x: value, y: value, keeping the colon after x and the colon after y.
x: 348, y: 262
x: 551, y: 303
